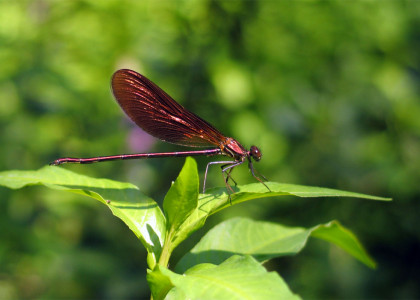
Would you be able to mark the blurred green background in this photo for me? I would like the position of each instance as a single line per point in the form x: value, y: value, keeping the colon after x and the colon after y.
x: 328, y: 90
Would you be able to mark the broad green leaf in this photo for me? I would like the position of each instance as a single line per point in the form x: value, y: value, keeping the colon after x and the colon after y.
x: 139, y: 212
x: 181, y: 199
x: 239, y: 277
x: 337, y: 234
x: 217, y: 199
x: 265, y: 240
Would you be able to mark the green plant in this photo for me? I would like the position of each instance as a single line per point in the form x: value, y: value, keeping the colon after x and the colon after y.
x: 226, y: 263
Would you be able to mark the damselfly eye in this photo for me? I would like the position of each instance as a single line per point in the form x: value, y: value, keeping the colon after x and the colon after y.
x: 255, y: 153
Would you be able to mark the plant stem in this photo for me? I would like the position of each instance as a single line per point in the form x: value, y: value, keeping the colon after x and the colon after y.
x: 166, y: 252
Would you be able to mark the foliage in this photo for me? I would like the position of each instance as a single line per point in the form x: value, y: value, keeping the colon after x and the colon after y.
x: 328, y: 90
x: 212, y: 262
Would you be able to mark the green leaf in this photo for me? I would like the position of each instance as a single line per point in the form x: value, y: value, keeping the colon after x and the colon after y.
x: 179, y: 203
x: 217, y: 199
x: 181, y: 199
x: 139, y: 212
x: 265, y: 240
x: 337, y: 234
x: 239, y: 277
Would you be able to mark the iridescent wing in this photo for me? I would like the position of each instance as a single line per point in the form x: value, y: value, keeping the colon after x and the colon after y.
x: 158, y: 114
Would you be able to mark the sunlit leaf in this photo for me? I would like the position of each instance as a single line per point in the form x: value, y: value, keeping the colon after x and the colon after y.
x: 239, y: 277
x: 265, y: 240
x: 139, y: 212
x: 181, y: 199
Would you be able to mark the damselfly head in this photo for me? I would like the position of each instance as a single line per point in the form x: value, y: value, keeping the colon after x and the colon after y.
x: 255, y: 153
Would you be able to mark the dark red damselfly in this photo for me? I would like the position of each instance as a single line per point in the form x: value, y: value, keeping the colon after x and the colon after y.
x: 159, y: 115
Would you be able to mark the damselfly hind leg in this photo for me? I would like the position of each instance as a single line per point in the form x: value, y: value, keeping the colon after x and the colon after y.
x: 228, y: 174
x: 227, y: 169
x: 225, y: 163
